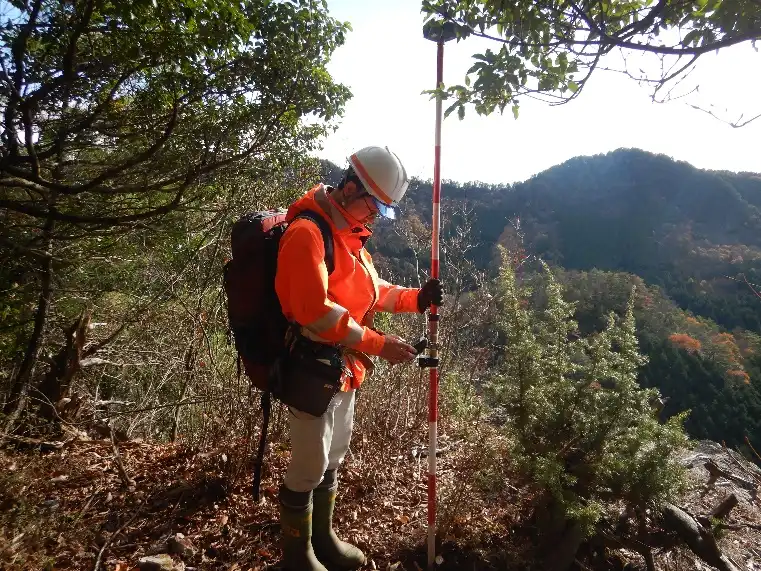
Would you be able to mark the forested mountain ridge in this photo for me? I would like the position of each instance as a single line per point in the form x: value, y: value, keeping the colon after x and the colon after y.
x: 685, y: 229
x: 668, y: 222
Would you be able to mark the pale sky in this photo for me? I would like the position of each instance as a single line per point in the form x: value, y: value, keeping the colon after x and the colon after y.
x: 387, y: 64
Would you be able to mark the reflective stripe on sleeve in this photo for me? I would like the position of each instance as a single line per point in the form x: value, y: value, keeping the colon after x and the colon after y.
x: 327, y: 321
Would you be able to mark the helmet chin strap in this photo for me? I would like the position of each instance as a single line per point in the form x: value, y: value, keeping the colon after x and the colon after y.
x: 369, y: 219
x: 342, y: 201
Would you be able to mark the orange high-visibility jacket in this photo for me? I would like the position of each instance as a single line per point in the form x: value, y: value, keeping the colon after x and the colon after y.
x: 334, y: 309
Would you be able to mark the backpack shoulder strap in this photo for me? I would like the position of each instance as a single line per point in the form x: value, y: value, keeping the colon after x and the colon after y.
x: 327, y: 236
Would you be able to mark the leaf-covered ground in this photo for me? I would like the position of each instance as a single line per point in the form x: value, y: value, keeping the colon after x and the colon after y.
x: 70, y: 508
x: 64, y: 509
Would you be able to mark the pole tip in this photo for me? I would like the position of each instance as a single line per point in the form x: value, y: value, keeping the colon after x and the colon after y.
x: 439, y: 31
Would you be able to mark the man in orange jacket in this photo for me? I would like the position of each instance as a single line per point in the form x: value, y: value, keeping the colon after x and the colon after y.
x: 334, y: 309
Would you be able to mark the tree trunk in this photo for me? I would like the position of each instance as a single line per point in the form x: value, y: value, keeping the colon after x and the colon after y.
x: 560, y: 537
x: 699, y: 539
x: 21, y: 384
x: 57, y: 381
x: 727, y: 505
x: 189, y: 363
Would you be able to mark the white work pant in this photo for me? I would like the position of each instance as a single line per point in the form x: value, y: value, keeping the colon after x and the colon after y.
x: 319, y: 443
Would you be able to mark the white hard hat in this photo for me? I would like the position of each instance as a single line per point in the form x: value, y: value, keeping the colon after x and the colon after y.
x: 382, y: 175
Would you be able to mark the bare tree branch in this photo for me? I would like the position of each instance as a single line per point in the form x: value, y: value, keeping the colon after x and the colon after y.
x: 123, y: 475
x: 68, y: 60
x: 736, y: 124
x: 645, y: 23
x: 54, y: 214
x: 18, y: 51
x: 138, y: 158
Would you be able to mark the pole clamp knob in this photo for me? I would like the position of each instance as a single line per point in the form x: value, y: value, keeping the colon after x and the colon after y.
x: 427, y: 362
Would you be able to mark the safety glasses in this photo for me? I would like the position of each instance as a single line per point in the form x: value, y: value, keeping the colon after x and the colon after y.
x: 383, y: 209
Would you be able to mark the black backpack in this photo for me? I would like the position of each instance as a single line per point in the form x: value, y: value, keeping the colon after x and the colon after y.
x: 257, y: 325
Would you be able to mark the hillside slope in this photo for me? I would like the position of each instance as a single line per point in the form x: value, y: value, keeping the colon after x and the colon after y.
x: 668, y: 222
x: 674, y: 225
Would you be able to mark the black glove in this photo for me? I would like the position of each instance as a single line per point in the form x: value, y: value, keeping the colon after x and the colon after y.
x: 430, y: 294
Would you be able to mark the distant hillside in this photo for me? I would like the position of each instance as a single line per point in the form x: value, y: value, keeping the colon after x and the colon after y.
x: 668, y: 222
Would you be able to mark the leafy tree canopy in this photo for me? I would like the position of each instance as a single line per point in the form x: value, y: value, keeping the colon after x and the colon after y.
x: 111, y: 111
x: 548, y: 49
x: 114, y: 114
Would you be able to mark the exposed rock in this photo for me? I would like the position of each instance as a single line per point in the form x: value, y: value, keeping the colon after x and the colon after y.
x: 743, y: 477
x: 180, y: 545
x: 716, y: 474
x: 717, y: 521
x: 162, y: 562
x: 176, y: 544
x: 50, y: 505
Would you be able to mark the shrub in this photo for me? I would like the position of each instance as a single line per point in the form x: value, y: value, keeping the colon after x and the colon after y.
x: 580, y: 429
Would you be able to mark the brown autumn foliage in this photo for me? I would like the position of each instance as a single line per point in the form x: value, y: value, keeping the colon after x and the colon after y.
x: 741, y: 375
x: 684, y: 341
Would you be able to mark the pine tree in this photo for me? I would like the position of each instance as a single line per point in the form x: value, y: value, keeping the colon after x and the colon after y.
x: 581, y: 429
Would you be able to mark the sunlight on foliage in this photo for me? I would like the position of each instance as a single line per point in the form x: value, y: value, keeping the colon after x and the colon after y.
x: 581, y: 428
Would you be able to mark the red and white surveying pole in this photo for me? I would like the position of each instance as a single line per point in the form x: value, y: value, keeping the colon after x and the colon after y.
x: 433, y: 323
x: 440, y: 34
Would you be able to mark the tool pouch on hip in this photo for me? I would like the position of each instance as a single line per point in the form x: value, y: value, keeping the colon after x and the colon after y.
x: 309, y: 375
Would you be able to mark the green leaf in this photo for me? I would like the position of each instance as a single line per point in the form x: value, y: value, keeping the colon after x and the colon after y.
x: 448, y: 110
x: 692, y: 37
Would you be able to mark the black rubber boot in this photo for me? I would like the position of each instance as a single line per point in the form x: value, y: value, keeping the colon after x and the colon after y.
x: 296, y: 526
x: 331, y: 551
